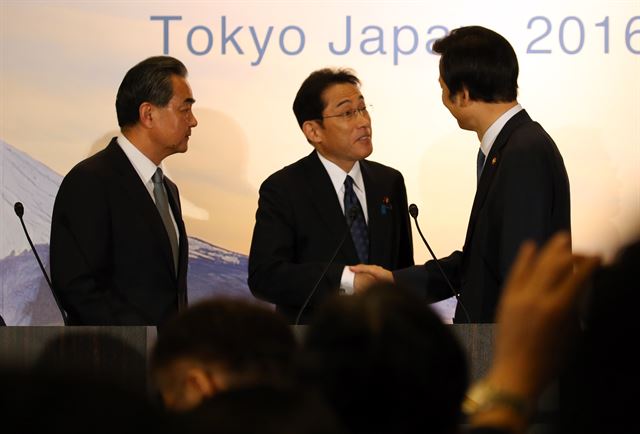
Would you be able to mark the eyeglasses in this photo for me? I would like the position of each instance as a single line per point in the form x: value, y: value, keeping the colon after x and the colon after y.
x: 351, y: 114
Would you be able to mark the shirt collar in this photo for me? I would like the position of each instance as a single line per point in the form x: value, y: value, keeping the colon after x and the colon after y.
x: 145, y: 167
x: 338, y: 175
x: 492, y: 132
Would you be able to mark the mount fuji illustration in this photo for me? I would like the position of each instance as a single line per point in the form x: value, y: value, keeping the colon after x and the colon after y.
x: 25, y: 298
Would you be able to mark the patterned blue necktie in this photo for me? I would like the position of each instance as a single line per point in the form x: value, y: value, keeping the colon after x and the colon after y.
x: 359, y: 232
x: 480, y: 163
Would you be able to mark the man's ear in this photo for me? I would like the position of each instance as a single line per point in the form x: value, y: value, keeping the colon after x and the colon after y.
x: 311, y: 130
x: 185, y: 385
x: 200, y: 383
x: 463, y: 99
x: 145, y: 114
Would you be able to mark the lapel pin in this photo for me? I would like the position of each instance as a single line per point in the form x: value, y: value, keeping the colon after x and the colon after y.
x: 385, y: 207
x: 494, y: 160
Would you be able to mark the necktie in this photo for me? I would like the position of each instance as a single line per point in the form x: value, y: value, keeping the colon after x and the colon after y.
x: 162, y: 203
x: 359, y: 232
x: 480, y: 163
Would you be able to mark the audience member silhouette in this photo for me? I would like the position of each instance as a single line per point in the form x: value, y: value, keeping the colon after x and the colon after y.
x: 97, y: 355
x: 386, y: 363
x: 598, y: 388
x: 38, y: 401
x: 261, y: 410
x: 219, y: 345
x: 537, y: 320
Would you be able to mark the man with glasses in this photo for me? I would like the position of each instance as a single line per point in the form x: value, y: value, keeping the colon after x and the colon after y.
x: 332, y: 208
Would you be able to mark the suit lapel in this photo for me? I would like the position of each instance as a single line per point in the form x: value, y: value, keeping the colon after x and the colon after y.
x: 174, y: 203
x: 491, y: 165
x: 380, y: 227
x: 324, y: 199
x: 139, y: 199
x: 183, y: 254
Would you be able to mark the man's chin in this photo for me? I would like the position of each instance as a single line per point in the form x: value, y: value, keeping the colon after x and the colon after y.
x: 182, y: 147
x: 366, y: 149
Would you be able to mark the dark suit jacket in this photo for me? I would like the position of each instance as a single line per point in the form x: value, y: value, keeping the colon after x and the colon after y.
x: 111, y: 260
x: 299, y: 225
x: 523, y: 194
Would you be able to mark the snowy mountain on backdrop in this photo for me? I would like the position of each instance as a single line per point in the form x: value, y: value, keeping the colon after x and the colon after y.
x: 25, y: 298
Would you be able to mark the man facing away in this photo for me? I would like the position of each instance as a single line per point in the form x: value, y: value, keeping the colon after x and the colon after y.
x: 118, y: 243
x: 523, y: 188
x: 331, y: 201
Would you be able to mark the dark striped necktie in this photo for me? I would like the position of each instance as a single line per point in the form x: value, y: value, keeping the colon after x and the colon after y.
x: 359, y: 232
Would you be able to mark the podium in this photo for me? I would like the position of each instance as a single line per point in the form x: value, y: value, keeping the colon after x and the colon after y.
x: 476, y: 340
x: 94, y: 345
x: 123, y: 351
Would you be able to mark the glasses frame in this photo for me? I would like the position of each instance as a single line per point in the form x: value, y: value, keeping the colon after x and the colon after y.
x: 351, y: 114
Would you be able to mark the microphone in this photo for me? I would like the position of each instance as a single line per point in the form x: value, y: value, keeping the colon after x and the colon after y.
x: 413, y: 212
x: 19, y: 210
x: 351, y: 217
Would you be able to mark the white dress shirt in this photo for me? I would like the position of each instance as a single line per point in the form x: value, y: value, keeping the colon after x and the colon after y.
x: 492, y: 132
x: 145, y: 169
x: 338, y: 176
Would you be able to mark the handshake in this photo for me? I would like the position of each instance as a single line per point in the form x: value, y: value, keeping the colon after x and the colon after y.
x: 549, y: 269
x: 367, y: 276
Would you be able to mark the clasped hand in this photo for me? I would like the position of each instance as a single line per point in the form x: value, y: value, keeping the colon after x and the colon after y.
x: 369, y: 275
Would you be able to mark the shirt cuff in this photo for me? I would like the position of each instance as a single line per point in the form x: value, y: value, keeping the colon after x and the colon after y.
x: 347, y: 280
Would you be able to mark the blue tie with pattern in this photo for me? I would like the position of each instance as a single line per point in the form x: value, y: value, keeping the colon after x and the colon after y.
x: 359, y: 232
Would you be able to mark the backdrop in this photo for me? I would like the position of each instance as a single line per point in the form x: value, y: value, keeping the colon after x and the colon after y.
x: 61, y: 64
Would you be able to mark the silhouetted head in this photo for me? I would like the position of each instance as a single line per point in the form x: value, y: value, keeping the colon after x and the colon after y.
x: 219, y: 345
x: 386, y: 363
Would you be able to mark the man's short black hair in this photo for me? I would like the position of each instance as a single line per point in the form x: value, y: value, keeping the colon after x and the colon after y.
x: 148, y: 81
x: 480, y: 60
x: 308, y: 104
x: 246, y: 339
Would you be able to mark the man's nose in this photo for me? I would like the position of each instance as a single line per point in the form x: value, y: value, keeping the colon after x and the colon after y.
x: 362, y: 118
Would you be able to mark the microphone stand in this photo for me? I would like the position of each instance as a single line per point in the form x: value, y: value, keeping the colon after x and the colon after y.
x: 351, y: 217
x: 19, y: 210
x: 413, y: 211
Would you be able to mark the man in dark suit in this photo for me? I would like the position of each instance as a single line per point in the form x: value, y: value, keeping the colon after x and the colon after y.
x: 523, y: 188
x: 119, y: 249
x: 331, y: 199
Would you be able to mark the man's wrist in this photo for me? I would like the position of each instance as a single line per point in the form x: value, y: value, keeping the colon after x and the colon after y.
x: 347, y: 281
x: 488, y: 404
